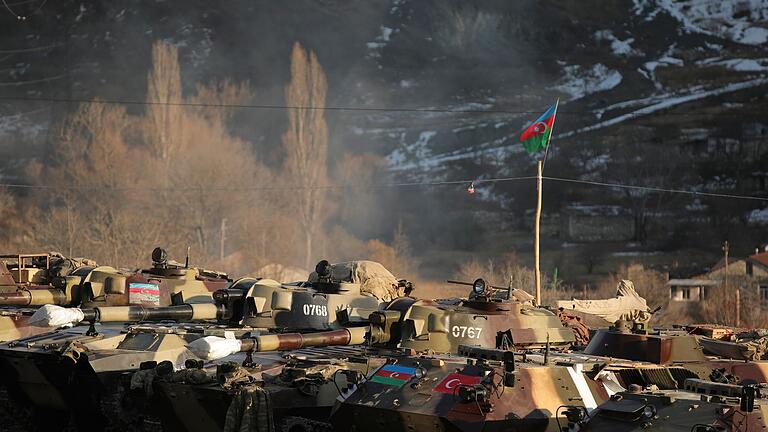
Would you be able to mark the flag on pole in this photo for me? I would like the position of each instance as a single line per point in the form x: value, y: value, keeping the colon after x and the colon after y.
x: 536, y: 136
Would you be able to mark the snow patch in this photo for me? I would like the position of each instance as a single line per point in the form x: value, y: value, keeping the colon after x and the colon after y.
x: 633, y: 253
x: 758, y: 216
x: 732, y: 20
x: 667, y: 101
x: 579, y: 82
x: 418, y: 151
x: 618, y: 47
x: 696, y: 206
x: 380, y: 41
x: 599, y: 161
x: 739, y: 65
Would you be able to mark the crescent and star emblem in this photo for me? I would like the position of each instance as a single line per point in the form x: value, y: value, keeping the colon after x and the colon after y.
x: 540, y: 127
x: 452, y: 383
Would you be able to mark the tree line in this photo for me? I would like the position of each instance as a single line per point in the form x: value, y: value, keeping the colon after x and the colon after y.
x: 117, y: 183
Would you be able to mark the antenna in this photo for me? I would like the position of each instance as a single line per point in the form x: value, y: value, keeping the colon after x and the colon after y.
x: 186, y: 260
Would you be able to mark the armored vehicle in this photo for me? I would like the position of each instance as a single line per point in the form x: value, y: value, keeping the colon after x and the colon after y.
x: 77, y: 369
x: 166, y: 282
x: 42, y: 275
x: 700, y: 407
x: 488, y: 390
x: 51, y: 279
x: 671, y: 347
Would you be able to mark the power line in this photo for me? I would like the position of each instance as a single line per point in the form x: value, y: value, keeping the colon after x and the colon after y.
x: 392, y: 185
x: 326, y: 108
x: 262, y: 188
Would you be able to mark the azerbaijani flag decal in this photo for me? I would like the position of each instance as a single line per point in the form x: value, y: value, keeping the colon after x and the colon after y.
x: 394, y: 375
x: 453, y: 380
x: 144, y: 293
x: 536, y: 136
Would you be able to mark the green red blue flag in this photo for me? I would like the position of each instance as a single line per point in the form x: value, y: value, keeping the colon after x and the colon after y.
x: 394, y: 375
x: 536, y: 136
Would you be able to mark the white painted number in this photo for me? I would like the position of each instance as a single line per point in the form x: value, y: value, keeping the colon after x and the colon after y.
x: 319, y: 310
x: 466, y: 332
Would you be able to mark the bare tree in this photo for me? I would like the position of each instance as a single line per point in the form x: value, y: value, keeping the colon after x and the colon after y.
x: 164, y: 114
x: 306, y: 142
x: 101, y: 210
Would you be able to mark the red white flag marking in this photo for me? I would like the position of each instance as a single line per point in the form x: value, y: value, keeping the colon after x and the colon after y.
x: 451, y: 381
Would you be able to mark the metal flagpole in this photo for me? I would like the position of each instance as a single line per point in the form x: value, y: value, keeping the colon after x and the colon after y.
x: 537, y: 223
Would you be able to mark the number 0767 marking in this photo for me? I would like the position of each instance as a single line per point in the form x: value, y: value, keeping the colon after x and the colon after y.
x: 466, y: 332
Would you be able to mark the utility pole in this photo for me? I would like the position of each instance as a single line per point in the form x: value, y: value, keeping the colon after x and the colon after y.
x: 536, y: 229
x: 223, y: 237
x: 737, y: 320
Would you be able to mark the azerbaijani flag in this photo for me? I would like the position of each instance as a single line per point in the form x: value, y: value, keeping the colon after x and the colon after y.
x: 394, y: 375
x: 536, y: 136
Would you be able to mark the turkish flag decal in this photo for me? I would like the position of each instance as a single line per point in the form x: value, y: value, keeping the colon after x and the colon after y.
x: 450, y: 382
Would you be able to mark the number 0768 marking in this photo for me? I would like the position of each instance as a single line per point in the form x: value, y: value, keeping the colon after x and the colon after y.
x: 466, y: 332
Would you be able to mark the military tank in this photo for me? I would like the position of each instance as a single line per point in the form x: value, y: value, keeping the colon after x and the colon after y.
x: 300, y: 387
x: 77, y: 369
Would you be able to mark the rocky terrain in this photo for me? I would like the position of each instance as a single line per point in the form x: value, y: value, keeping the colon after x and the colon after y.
x: 660, y: 93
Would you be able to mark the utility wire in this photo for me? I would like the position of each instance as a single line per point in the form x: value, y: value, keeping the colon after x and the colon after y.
x: 395, y: 185
x: 326, y: 108
x: 264, y: 188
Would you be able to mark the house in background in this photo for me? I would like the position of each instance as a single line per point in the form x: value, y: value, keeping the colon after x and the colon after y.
x: 690, y: 290
x: 750, y: 273
x: 757, y: 268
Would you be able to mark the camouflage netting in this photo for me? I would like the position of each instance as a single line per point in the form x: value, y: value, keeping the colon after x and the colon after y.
x: 250, y: 411
x: 627, y: 305
x: 750, y: 345
x: 374, y: 278
x: 61, y: 265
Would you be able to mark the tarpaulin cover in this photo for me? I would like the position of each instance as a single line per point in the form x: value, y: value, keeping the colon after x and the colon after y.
x: 627, y: 305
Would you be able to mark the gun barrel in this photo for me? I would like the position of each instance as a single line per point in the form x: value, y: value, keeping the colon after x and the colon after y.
x: 291, y: 341
x: 35, y: 297
x: 185, y: 312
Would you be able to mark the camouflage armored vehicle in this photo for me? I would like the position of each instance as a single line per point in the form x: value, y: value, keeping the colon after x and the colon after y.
x: 301, y: 387
x: 77, y: 369
x: 165, y: 282
x: 51, y: 279
x: 488, y: 390
x: 701, y: 406
x: 35, y: 279
x: 671, y: 347
x: 27, y: 280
